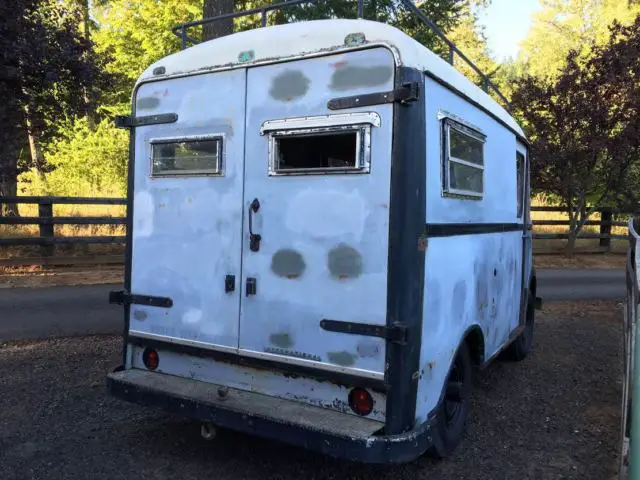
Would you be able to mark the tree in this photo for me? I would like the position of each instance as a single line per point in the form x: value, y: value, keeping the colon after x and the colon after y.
x: 45, y: 62
x: 564, y: 25
x: 585, y: 128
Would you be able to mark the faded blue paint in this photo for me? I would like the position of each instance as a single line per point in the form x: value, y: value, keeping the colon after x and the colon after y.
x: 186, y: 231
x: 312, y: 215
x: 469, y: 279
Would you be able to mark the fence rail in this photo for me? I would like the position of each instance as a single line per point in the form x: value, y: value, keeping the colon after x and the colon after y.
x: 47, y: 239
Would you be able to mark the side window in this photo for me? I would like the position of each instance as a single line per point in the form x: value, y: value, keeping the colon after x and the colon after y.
x: 186, y: 156
x: 521, y: 182
x: 334, y: 144
x: 463, y: 160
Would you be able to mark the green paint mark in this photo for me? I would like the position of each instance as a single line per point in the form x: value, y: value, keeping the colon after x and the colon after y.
x: 354, y: 39
x: 247, y: 56
x: 345, y: 359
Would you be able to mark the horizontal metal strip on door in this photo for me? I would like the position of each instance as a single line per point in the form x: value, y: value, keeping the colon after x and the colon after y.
x: 124, y: 298
x: 407, y: 93
x: 396, y: 333
x: 453, y: 229
x: 260, y: 361
x: 124, y: 121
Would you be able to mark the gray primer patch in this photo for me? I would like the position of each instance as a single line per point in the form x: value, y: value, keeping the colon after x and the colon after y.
x: 282, y: 340
x: 351, y: 77
x: 368, y: 349
x: 288, y: 85
x: 287, y: 263
x: 345, y: 359
x: 344, y: 262
x: 147, y: 103
x: 139, y: 314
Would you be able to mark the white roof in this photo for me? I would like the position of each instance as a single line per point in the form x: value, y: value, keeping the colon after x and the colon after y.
x: 306, y: 38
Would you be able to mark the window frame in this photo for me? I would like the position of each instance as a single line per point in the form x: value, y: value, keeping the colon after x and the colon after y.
x: 220, y: 138
x: 466, y: 129
x: 521, y: 178
x: 361, y: 123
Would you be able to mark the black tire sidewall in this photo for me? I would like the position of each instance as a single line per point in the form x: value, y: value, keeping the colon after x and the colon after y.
x: 447, y: 437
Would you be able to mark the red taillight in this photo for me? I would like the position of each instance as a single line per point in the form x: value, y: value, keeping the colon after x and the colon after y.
x: 360, y: 401
x: 150, y: 358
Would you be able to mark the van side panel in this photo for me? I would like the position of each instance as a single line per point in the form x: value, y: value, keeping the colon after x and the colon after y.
x: 471, y: 278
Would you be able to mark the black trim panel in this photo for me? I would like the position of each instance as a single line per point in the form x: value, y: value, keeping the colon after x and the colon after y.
x: 406, y: 263
x: 453, y: 229
x: 470, y: 100
x: 342, y: 379
x: 395, y: 449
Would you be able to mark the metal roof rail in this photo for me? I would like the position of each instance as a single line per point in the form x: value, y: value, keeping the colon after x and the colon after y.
x: 182, y: 32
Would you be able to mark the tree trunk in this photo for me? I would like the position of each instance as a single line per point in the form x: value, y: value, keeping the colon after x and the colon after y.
x: 9, y: 185
x: 219, y: 28
x: 37, y: 158
x: 89, y: 111
x: 570, y: 247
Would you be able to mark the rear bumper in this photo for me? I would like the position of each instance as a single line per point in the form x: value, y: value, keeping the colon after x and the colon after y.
x: 331, y: 433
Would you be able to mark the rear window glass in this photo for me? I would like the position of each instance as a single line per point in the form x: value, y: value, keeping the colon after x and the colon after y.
x: 186, y: 157
x: 319, y: 151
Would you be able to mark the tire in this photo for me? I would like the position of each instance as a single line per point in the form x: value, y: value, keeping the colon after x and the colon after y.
x: 453, y: 410
x: 521, y: 346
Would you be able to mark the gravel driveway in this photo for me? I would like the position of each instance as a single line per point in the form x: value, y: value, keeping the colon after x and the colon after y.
x: 553, y: 416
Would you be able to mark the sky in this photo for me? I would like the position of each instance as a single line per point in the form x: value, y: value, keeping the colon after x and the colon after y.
x: 506, y: 24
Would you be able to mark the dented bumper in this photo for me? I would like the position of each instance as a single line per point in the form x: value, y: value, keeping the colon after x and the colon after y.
x: 335, y: 434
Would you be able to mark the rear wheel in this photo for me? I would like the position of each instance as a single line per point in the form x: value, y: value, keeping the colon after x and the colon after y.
x: 521, y: 346
x: 453, y: 411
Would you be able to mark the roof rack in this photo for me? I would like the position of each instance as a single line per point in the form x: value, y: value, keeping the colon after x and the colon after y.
x: 182, y: 32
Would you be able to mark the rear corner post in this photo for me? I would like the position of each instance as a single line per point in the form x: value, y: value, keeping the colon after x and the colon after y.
x: 406, y: 262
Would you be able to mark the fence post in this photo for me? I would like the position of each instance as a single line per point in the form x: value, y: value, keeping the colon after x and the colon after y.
x: 45, y: 209
x: 606, y: 216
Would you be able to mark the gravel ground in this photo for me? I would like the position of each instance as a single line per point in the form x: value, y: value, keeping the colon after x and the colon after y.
x: 553, y: 416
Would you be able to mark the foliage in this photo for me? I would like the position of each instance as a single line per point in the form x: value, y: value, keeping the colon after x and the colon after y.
x: 585, y: 127
x: 564, y: 25
x: 84, y: 162
x: 45, y: 62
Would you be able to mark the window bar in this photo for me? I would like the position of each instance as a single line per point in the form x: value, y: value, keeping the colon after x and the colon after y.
x: 360, y: 8
x: 183, y: 36
x: 451, y: 54
x: 264, y: 13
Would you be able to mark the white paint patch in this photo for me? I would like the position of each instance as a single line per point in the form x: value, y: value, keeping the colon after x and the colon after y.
x: 327, y: 214
x: 192, y: 315
x: 143, y: 217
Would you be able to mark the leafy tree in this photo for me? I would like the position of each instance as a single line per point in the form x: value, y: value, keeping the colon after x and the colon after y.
x: 585, y: 128
x: 45, y: 62
x: 564, y: 25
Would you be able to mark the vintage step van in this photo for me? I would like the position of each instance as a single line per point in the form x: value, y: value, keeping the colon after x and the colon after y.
x: 328, y: 228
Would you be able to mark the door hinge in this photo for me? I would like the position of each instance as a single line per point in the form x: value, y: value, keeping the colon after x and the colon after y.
x: 121, y: 297
x: 396, y: 333
x: 409, y: 92
x: 129, y: 121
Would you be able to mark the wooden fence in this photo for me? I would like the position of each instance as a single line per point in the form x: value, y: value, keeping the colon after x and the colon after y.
x: 47, y: 238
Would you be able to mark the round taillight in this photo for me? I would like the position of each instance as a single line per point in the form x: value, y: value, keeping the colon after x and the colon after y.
x: 360, y: 401
x: 150, y: 358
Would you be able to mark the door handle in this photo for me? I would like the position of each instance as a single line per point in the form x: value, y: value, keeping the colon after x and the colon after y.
x: 229, y: 283
x: 254, y: 238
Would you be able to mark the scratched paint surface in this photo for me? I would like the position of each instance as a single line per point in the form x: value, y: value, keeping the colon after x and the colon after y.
x: 312, y: 392
x: 324, y: 245
x: 186, y: 231
x: 469, y: 279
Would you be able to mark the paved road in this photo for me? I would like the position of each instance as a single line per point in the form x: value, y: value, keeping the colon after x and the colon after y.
x: 61, y: 311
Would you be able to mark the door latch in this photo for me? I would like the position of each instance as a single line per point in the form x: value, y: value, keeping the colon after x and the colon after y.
x: 229, y: 283
x: 251, y: 286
